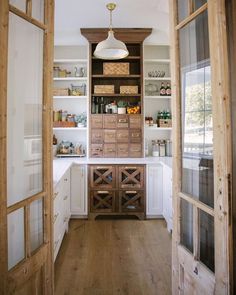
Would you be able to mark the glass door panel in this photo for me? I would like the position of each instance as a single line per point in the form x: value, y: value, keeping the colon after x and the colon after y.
x: 24, y: 110
x: 38, y: 10
x: 197, y: 128
x: 183, y: 9
x: 36, y: 224
x: 20, y: 4
x: 186, y: 225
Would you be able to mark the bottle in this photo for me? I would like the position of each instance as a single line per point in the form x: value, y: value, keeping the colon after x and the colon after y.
x: 97, y: 105
x: 101, y: 106
x: 93, y: 107
x: 54, y: 140
x: 168, y: 89
x: 151, y: 121
x: 162, y: 89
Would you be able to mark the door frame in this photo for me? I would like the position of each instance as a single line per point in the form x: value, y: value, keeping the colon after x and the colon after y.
x: 10, y: 280
x: 222, y: 141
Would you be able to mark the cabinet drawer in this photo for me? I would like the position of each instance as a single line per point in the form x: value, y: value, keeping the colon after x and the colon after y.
x: 135, y: 150
x: 102, y: 201
x: 97, y: 136
x: 102, y: 177
x: 109, y: 136
x: 131, y: 201
x: 122, y: 121
x: 131, y: 177
x: 96, y: 121
x: 122, y: 150
x: 109, y: 121
x: 136, y: 136
x: 96, y: 150
x: 122, y: 136
x: 135, y: 121
x: 109, y: 150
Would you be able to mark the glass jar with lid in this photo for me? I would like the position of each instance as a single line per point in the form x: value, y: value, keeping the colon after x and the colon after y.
x: 162, y: 145
x: 155, y: 148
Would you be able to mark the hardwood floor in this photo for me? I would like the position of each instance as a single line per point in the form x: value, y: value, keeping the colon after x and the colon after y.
x: 109, y: 257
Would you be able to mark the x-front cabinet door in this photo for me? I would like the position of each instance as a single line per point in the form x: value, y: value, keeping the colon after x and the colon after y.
x: 202, y: 148
x: 26, y: 258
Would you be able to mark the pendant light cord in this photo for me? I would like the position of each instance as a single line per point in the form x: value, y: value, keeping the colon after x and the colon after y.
x: 110, y: 20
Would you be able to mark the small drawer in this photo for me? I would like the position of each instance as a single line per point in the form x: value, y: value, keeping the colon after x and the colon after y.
x: 122, y: 150
x: 102, y: 201
x: 135, y: 150
x: 135, y: 121
x: 96, y: 121
x: 122, y: 121
x: 109, y: 136
x: 97, y: 136
x: 136, y: 136
x: 122, y: 136
x: 109, y: 150
x: 96, y: 150
x: 110, y: 121
x: 131, y: 201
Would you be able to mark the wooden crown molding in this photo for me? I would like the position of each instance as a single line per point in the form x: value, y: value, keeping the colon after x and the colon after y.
x: 127, y: 35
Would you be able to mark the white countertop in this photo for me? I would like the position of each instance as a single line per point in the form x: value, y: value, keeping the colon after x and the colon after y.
x: 61, y: 165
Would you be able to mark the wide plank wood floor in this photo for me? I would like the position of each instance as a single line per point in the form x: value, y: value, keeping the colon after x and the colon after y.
x: 109, y: 257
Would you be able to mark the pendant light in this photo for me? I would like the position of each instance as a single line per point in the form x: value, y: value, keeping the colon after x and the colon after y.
x: 111, y: 48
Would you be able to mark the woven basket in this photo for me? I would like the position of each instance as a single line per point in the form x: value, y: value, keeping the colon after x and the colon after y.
x: 165, y: 123
x: 60, y: 92
x: 128, y: 89
x: 110, y: 68
x: 104, y: 89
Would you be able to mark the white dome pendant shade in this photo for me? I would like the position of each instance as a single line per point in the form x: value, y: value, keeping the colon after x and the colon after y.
x: 111, y: 48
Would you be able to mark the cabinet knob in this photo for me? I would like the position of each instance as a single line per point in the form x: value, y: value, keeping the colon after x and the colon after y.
x: 65, y: 198
x: 55, y: 195
x: 55, y: 217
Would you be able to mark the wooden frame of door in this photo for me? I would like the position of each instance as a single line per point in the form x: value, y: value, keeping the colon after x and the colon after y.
x: 222, y: 141
x: 11, y: 280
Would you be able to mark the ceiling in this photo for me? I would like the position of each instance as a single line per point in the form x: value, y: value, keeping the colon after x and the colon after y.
x: 71, y: 15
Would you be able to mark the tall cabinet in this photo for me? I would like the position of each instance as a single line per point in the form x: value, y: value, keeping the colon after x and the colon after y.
x: 116, y: 135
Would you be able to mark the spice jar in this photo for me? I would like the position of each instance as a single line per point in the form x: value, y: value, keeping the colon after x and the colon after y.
x: 168, y: 148
x: 155, y: 148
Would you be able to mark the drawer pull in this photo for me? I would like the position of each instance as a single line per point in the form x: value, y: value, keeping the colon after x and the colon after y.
x: 65, y: 179
x: 103, y: 192
x: 129, y: 167
x: 97, y: 121
x: 111, y: 135
x: 56, y: 243
x: 123, y: 150
x: 65, y: 219
x: 122, y: 121
x: 102, y: 167
x: 110, y: 150
x: 123, y: 135
x: 97, y: 136
x: 131, y: 192
x: 55, y: 195
x: 135, y: 135
x: 55, y: 217
x: 136, y: 150
x: 65, y: 198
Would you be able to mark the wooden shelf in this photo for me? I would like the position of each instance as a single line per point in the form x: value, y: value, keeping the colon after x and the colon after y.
x: 156, y: 60
x: 157, y: 78
x: 71, y: 79
x: 117, y: 95
x: 116, y: 76
x: 70, y: 128
x: 70, y: 60
x: 70, y: 96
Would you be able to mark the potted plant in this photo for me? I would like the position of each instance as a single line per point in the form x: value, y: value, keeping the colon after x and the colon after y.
x: 121, y: 107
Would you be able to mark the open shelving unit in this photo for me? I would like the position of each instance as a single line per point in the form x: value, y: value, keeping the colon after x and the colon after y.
x: 156, y: 58
x: 69, y: 57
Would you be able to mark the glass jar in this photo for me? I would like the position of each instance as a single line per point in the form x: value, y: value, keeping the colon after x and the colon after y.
x: 162, y: 148
x: 155, y: 148
x: 168, y: 148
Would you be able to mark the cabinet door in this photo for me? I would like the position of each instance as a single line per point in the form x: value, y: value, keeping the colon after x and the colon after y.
x: 135, y: 150
x: 167, y: 196
x: 65, y: 199
x: 154, y: 190
x: 131, y: 177
x: 131, y: 201
x: 102, y: 201
x: 136, y: 135
x: 122, y: 150
x: 122, y: 121
x: 78, y: 203
x: 122, y: 135
x: 109, y: 150
x: 102, y: 177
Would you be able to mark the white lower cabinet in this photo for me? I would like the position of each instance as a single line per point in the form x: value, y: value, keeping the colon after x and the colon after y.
x: 61, y: 216
x: 78, y: 202
x: 167, y: 196
x: 154, y: 189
